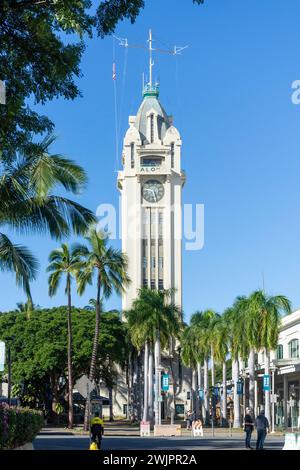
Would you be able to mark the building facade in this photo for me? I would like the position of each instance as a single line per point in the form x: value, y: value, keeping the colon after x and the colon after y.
x: 285, y: 366
x: 151, y: 185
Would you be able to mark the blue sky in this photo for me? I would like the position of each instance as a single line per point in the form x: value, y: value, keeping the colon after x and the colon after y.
x: 230, y: 94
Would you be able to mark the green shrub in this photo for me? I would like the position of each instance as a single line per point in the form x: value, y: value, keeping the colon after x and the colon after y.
x: 18, y: 426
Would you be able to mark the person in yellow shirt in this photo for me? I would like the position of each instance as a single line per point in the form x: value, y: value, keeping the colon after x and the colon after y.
x: 97, y: 429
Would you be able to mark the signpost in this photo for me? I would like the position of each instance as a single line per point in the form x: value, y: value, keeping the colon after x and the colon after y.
x: 165, y: 382
x: 239, y: 387
x: 266, y: 386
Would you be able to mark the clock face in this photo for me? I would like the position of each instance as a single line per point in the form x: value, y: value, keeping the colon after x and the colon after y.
x: 153, y: 191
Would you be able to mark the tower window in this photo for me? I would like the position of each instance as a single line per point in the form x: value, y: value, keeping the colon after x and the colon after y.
x: 294, y: 348
x: 132, y: 155
x: 152, y: 128
x: 172, y: 155
x: 160, y: 284
x: 145, y: 283
x: 153, y: 284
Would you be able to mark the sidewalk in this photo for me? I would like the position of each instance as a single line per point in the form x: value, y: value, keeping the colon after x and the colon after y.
x: 123, y: 428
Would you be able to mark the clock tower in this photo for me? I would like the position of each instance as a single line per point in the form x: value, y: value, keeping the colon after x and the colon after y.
x: 151, y: 200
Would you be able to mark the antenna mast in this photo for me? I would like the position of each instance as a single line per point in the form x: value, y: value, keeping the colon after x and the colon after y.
x: 176, y: 51
x: 151, y: 62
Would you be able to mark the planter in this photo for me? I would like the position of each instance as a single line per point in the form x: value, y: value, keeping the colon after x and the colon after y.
x: 167, y: 430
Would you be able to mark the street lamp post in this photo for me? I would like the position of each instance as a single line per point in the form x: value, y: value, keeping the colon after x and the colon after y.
x: 9, y: 375
x: 9, y: 341
x: 273, y: 400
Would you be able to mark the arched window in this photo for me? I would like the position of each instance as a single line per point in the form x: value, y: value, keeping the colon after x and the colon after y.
x: 172, y: 155
x: 132, y: 155
x: 279, y: 351
x: 294, y: 348
x: 152, y: 128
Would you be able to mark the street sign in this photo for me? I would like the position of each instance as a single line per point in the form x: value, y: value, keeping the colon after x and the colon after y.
x: 165, y: 382
x: 2, y: 356
x: 239, y: 387
x: 266, y: 383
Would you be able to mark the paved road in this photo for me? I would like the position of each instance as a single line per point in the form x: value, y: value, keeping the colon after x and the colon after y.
x: 65, y: 441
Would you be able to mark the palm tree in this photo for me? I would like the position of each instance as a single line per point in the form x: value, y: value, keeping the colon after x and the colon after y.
x: 189, y: 346
x: 65, y: 261
x: 221, y: 350
x: 263, y: 327
x: 28, y: 205
x: 156, y: 318
x: 199, y: 323
x: 239, y: 347
x: 26, y: 307
x: 109, y: 266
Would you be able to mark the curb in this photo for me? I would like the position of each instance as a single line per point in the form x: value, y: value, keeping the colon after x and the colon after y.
x: 28, y: 446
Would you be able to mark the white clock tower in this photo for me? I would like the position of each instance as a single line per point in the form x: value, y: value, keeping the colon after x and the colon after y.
x: 151, y: 185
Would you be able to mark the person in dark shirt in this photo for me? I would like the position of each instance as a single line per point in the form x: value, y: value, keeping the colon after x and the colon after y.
x: 262, y: 427
x: 248, y: 428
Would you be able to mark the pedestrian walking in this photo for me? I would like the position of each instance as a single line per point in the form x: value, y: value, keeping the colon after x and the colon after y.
x: 97, y: 431
x: 262, y: 427
x: 189, y: 419
x: 248, y: 428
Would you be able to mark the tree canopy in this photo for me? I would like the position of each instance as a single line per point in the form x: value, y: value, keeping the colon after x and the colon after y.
x: 41, y: 46
x: 39, y: 347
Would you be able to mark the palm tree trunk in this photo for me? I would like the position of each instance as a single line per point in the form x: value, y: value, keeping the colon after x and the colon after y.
x: 236, y: 397
x: 267, y: 392
x: 212, y: 361
x: 172, y: 401
x: 146, y: 374
x: 150, y: 380
x: 206, y: 392
x: 224, y: 401
x: 251, y: 363
x: 194, y: 392
x: 157, y: 375
x: 95, y: 349
x: 199, y: 371
x: 70, y: 372
x: 110, y: 396
x: 139, y: 388
x: 128, y: 380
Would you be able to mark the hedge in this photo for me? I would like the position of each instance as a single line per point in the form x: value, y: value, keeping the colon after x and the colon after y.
x: 18, y: 426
